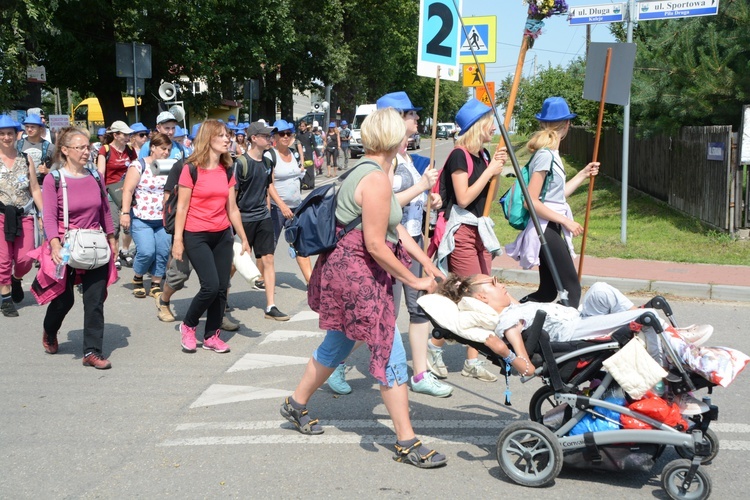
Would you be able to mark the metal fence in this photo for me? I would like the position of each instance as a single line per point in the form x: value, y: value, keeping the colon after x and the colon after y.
x: 675, y: 169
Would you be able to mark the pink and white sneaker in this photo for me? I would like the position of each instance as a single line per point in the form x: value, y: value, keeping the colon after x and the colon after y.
x: 696, y: 334
x: 214, y: 343
x: 188, y: 338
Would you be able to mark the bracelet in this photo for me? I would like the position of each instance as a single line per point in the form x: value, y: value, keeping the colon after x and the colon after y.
x: 528, y: 365
x: 125, y: 214
x: 510, y: 358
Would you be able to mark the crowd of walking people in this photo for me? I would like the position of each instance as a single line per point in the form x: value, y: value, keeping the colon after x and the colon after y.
x: 169, y: 201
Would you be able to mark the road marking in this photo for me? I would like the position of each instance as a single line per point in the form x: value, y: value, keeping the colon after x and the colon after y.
x: 724, y: 427
x: 218, y: 394
x: 305, y: 316
x: 285, y: 335
x: 349, y: 424
x: 254, y: 361
x: 295, y: 438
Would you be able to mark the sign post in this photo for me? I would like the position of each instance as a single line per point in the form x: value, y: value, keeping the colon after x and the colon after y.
x: 437, y: 57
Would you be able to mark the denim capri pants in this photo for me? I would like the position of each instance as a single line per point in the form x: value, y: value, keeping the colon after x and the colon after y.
x: 336, y: 347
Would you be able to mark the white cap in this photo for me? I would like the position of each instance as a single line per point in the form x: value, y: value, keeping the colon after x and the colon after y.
x: 165, y: 116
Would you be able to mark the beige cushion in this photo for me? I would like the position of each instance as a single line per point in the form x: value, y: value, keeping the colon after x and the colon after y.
x: 634, y: 369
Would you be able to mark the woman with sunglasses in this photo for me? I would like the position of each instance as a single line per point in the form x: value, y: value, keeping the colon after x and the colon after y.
x: 18, y: 188
x: 87, y: 209
x: 284, y: 189
x: 139, y: 137
x: 603, y: 310
x: 142, y: 214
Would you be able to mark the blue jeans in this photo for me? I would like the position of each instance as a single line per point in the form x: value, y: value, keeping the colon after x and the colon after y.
x: 152, y: 245
x: 336, y: 347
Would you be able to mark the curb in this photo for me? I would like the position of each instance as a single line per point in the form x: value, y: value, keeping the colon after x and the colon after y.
x: 675, y: 288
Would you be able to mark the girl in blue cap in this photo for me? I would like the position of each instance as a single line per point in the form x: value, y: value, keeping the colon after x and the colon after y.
x: 466, y: 177
x: 554, y: 213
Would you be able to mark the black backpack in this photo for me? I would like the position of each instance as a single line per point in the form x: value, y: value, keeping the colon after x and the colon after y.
x: 170, y: 206
x: 312, y: 230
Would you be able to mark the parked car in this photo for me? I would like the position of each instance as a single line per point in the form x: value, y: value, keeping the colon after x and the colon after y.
x: 414, y: 141
x: 451, y: 128
x: 442, y: 132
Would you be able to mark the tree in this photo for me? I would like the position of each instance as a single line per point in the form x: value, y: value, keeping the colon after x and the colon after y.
x: 556, y: 81
x: 692, y: 71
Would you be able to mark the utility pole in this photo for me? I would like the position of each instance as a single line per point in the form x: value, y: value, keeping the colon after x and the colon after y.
x: 626, y: 141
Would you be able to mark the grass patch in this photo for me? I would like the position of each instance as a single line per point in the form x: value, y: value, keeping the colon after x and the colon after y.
x: 655, y: 230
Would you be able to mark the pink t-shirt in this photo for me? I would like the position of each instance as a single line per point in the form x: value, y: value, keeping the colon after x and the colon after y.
x: 207, y: 212
x: 87, y: 207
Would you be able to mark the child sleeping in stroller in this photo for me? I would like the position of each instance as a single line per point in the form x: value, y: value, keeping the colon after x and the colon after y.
x: 603, y: 310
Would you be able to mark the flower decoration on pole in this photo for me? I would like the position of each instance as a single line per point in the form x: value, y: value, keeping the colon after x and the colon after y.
x: 539, y: 10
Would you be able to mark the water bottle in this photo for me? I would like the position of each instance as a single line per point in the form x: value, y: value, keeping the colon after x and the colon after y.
x: 65, y: 256
x: 292, y: 253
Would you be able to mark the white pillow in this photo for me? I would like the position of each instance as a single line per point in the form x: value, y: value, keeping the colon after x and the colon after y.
x: 441, y: 309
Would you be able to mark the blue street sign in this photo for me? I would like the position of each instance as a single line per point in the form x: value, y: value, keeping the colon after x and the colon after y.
x: 647, y: 11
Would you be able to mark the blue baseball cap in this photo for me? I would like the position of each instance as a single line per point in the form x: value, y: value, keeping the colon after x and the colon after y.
x: 33, y: 120
x: 179, y: 132
x: 332, y: 125
x: 470, y: 113
x: 101, y: 131
x: 282, y: 125
x: 8, y: 122
x: 138, y: 127
x: 398, y: 100
x: 555, y: 109
x: 344, y: 122
x: 232, y: 118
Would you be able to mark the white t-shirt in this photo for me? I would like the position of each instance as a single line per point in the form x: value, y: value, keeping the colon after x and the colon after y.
x: 543, y: 160
x: 286, y: 176
x: 404, y: 177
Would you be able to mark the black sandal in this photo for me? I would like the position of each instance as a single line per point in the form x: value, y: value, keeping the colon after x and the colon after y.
x: 411, y: 455
x: 289, y: 412
x: 138, y: 290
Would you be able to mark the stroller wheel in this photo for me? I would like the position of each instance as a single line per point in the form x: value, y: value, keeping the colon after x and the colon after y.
x: 712, y: 439
x: 529, y: 454
x: 673, y: 476
x: 542, y: 401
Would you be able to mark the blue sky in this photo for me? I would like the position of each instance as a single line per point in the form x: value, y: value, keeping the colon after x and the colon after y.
x: 558, y: 45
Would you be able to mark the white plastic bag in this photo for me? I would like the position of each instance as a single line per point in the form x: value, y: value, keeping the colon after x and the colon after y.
x: 244, y: 264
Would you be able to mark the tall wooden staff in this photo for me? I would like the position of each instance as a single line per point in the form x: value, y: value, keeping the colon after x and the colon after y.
x: 594, y: 158
x: 428, y: 207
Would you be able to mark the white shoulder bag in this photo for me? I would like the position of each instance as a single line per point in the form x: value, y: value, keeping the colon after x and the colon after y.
x: 89, y: 248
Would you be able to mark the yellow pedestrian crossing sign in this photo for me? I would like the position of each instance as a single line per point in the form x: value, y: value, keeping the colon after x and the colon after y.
x: 481, y: 37
x: 473, y: 75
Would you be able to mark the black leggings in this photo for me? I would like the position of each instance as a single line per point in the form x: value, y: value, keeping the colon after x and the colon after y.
x: 94, y: 284
x: 211, y: 257
x: 547, y: 291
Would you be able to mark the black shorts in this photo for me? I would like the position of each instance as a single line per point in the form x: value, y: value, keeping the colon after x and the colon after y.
x: 260, y: 237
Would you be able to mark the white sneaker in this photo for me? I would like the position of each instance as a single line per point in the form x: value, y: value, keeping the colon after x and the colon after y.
x: 435, y: 362
x: 478, y: 371
x: 696, y: 334
x: 690, y: 405
x: 431, y: 385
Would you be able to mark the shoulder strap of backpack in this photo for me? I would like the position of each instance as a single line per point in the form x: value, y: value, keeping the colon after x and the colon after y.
x: 242, y: 160
x: 19, y: 145
x: 143, y: 165
x: 469, y: 160
x: 45, y: 148
x: 56, y: 176
x: 272, y: 159
x: 107, y: 151
x: 193, y: 173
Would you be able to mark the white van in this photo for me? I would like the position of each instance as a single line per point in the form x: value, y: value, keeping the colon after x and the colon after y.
x: 355, y: 144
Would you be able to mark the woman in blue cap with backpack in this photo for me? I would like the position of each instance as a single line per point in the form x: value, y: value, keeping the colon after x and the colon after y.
x: 547, y: 175
x: 464, y: 186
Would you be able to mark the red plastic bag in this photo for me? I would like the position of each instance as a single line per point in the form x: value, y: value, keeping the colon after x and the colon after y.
x: 655, y: 407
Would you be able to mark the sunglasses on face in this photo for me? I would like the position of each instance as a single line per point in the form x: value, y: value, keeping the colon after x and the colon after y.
x: 142, y: 134
x: 284, y: 134
x: 492, y: 280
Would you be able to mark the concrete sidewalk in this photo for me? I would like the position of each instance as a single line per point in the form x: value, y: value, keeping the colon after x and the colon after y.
x: 703, y: 281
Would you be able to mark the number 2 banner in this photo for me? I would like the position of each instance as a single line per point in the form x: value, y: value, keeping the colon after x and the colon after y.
x: 439, y: 39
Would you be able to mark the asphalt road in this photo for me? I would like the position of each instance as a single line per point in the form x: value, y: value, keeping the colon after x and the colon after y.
x: 162, y: 423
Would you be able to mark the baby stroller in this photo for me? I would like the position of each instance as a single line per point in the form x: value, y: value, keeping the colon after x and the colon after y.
x: 576, y: 389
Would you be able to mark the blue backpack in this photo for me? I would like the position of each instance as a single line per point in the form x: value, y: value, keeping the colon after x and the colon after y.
x: 512, y: 201
x: 312, y: 230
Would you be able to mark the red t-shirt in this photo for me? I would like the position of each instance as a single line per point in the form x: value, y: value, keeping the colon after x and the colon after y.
x: 207, y: 211
x: 117, y: 164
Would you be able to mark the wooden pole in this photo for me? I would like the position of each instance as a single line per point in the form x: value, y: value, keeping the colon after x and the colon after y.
x: 508, y: 116
x: 426, y: 230
x: 595, y: 156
